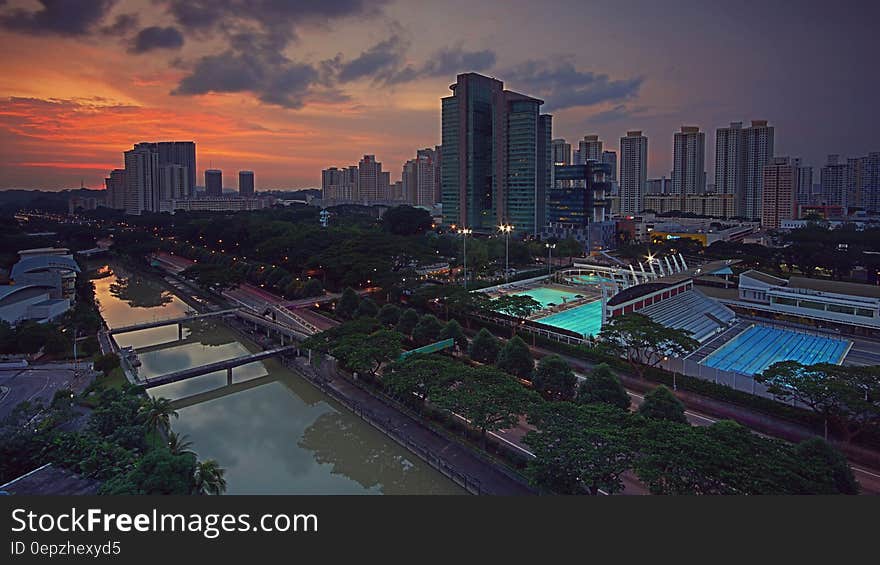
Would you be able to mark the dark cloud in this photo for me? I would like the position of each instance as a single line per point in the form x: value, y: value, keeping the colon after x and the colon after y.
x: 123, y: 24
x: 156, y: 37
x: 268, y: 14
x: 61, y: 17
x: 377, y: 62
x: 563, y: 86
x: 255, y: 67
x: 452, y: 61
x: 383, y: 63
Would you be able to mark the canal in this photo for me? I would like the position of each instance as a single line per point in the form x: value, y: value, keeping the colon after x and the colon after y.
x: 281, y: 436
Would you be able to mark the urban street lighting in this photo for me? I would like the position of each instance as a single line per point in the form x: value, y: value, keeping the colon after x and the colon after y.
x: 550, y: 247
x: 464, y: 233
x: 506, y: 228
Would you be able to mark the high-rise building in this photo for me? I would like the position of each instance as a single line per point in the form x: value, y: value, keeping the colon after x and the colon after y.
x: 384, y: 187
x: 658, y: 186
x: 115, y: 185
x: 871, y: 182
x: 141, y: 179
x: 245, y: 183
x: 370, y: 181
x: 834, y: 182
x: 438, y: 167
x: 610, y: 159
x: 340, y: 185
x: 213, y: 182
x: 496, y: 156
x: 805, y: 183
x: 633, y: 173
x: 174, y: 182
x: 740, y: 157
x: 688, y: 161
x: 181, y: 153
x: 561, y: 152
x: 779, y: 192
x: 589, y: 149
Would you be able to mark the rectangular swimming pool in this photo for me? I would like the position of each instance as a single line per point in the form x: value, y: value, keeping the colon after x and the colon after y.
x: 585, y: 319
x: 547, y: 296
x: 758, y: 347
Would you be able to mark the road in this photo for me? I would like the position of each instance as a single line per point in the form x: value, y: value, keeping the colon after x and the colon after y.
x: 35, y: 383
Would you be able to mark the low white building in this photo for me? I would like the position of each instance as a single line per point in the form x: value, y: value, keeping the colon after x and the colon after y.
x: 30, y: 302
x: 853, y: 306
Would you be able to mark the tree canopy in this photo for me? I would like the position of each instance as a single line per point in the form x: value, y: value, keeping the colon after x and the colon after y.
x: 644, y: 342
x: 602, y: 385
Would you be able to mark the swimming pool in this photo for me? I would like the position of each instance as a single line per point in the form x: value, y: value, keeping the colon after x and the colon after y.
x: 758, y: 347
x: 586, y: 319
x: 547, y: 296
x: 588, y: 279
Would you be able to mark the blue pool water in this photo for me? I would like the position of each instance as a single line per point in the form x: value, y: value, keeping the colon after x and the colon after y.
x: 548, y: 296
x: 586, y: 319
x: 758, y: 347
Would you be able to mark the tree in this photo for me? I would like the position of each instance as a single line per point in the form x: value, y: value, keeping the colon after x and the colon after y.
x: 348, y: 303
x: 580, y: 449
x: 848, y: 398
x: 409, y: 319
x: 106, y: 363
x: 517, y: 306
x: 727, y: 458
x: 489, y: 399
x: 389, y: 314
x: 484, y: 347
x: 570, y: 247
x: 661, y: 404
x: 213, y: 277
x: 406, y: 220
x: 516, y: 358
x: 554, y: 378
x: 452, y: 330
x: 208, y: 478
x: 418, y: 376
x: 427, y: 330
x: 825, y: 469
x: 313, y: 287
x: 156, y: 413
x: 367, y: 353
x: 644, y: 342
x: 158, y: 472
x: 367, y: 309
x: 179, y: 445
x: 602, y: 385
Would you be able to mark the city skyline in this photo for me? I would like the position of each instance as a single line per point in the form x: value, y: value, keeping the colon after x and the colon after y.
x: 292, y: 91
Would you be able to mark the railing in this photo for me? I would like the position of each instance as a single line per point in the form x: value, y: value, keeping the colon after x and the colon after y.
x: 735, y: 380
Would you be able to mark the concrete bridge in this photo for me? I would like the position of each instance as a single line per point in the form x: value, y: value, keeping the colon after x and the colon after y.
x: 171, y: 321
x: 228, y: 364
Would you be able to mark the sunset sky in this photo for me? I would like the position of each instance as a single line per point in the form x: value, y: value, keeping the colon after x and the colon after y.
x: 286, y: 88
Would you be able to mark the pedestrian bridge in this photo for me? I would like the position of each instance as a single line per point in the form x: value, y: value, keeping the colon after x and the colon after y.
x: 171, y: 321
x: 228, y: 364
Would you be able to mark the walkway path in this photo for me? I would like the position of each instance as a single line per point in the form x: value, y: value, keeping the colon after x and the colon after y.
x: 430, y: 445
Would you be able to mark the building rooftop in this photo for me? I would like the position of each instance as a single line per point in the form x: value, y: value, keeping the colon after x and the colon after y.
x: 764, y: 278
x: 837, y: 287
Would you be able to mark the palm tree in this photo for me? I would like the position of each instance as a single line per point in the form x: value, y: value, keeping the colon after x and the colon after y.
x: 156, y: 413
x: 179, y: 445
x: 208, y: 478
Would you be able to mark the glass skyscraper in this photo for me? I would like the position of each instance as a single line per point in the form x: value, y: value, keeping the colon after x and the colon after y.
x: 496, y: 155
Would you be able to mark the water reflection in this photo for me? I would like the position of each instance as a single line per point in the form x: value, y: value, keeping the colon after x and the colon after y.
x: 140, y: 293
x: 277, y: 435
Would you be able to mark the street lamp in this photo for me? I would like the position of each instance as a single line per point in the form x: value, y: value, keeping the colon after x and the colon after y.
x: 464, y: 233
x: 550, y: 247
x: 506, y: 228
x: 674, y: 384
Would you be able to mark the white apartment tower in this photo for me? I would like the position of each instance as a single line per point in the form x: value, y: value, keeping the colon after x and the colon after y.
x: 141, y: 179
x: 633, y: 172
x: 688, y: 161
